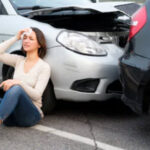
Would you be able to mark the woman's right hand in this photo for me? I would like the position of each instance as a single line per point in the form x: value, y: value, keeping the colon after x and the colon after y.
x: 21, y: 32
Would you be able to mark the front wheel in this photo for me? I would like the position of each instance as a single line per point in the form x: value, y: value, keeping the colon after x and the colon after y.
x: 48, y: 99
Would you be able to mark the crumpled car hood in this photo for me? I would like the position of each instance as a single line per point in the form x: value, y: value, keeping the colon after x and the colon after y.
x: 103, y: 7
x: 101, y: 17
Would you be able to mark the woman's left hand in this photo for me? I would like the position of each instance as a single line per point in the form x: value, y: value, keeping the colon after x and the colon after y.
x: 9, y: 83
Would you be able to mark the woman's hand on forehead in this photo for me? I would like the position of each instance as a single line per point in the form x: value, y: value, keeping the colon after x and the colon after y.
x: 22, y: 32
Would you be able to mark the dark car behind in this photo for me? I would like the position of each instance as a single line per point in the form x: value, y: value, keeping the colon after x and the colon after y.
x: 135, y: 63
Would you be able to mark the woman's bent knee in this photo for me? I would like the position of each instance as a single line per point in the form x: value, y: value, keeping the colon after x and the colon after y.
x: 16, y: 89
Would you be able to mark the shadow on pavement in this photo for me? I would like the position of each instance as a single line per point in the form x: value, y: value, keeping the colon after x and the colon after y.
x: 112, y: 107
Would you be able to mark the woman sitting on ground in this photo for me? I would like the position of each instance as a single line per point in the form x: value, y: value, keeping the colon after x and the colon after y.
x: 22, y: 101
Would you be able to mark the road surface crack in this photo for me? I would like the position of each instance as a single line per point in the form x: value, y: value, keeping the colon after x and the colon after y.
x: 91, y: 131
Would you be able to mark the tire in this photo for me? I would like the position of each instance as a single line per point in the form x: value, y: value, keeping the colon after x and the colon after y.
x: 7, y: 72
x: 48, y: 99
x: 146, y: 99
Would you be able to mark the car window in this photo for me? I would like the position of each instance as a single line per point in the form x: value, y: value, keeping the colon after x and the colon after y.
x: 2, y: 9
x: 47, y: 3
x: 23, y: 6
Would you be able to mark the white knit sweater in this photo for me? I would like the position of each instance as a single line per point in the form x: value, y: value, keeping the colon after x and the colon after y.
x: 34, y: 81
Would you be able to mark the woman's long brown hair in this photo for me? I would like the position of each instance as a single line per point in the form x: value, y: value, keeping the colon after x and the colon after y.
x: 41, y: 41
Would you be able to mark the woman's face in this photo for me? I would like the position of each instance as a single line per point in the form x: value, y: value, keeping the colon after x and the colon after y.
x: 30, y: 42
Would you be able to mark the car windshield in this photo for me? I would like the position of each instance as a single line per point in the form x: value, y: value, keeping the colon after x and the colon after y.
x: 47, y: 3
x: 29, y: 6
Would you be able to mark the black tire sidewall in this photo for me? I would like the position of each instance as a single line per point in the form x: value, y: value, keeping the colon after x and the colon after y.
x: 48, y: 99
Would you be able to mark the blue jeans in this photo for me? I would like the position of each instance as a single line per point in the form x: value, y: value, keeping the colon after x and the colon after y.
x: 17, y: 109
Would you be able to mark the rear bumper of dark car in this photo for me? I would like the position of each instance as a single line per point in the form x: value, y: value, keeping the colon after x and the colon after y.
x: 134, y: 75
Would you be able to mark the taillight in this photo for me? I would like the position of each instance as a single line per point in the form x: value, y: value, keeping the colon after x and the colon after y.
x: 138, y: 21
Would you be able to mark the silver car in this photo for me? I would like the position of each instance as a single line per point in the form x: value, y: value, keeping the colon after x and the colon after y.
x: 82, y: 39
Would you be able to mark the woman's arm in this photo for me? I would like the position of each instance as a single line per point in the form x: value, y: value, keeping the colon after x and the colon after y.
x: 6, y: 58
x: 6, y: 44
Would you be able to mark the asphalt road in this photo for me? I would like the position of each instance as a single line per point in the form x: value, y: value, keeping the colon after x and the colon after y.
x: 82, y: 126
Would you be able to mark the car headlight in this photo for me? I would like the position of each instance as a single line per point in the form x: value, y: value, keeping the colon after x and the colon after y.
x: 80, y: 43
